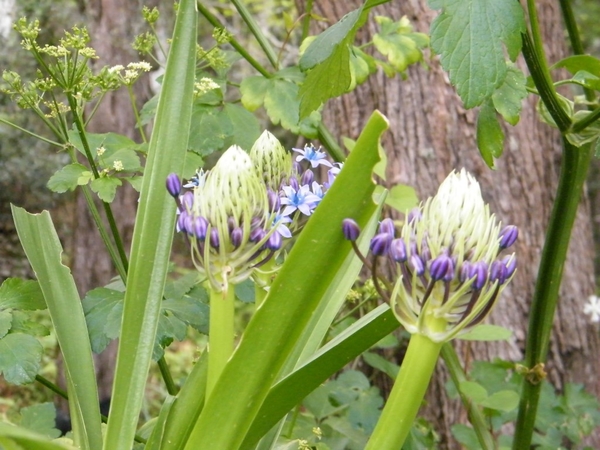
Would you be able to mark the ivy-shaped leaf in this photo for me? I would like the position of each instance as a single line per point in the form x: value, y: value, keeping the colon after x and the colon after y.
x: 40, y: 418
x: 20, y: 356
x: 508, y: 98
x: 208, y: 131
x: 67, y: 178
x: 128, y: 158
x: 97, y: 307
x: 21, y: 294
x: 106, y: 187
x: 282, y: 105
x: 468, y: 35
x: 490, y: 137
x: 329, y: 79
x: 399, y: 43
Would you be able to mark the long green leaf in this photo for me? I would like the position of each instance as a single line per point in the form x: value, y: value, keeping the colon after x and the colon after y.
x: 153, y: 232
x: 271, y: 334
x: 290, y: 391
x: 44, y: 252
x: 10, y: 434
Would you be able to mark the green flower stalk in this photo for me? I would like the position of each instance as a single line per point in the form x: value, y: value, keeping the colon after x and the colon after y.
x: 450, y: 273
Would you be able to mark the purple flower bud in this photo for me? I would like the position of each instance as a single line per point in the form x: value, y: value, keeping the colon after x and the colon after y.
x: 181, y: 221
x: 214, y: 238
x: 439, y: 267
x: 398, y: 250
x: 188, y: 224
x: 449, y: 276
x: 415, y: 214
x: 200, y: 227
x: 236, y: 236
x: 417, y: 264
x: 479, y: 270
x: 387, y: 226
x: 274, y: 200
x: 188, y: 200
x: 307, y: 177
x: 425, y: 252
x: 350, y: 229
x: 511, y: 265
x: 173, y: 185
x: 498, y: 272
x: 294, y: 183
x: 231, y: 223
x: 380, y: 244
x: 274, y: 242
x: 465, y: 272
x: 255, y: 223
x: 508, y: 236
x: 296, y: 167
x: 257, y: 234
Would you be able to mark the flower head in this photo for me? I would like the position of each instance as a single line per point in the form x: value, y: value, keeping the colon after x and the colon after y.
x: 592, y: 308
x: 450, y: 272
x: 313, y: 156
x: 273, y: 162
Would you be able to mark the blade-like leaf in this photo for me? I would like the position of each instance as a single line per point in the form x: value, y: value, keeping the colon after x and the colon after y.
x: 271, y: 334
x: 44, y: 252
x: 27, y: 439
x: 153, y: 233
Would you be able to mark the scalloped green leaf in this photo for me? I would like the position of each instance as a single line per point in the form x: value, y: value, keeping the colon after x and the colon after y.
x: 282, y: 104
x: 127, y: 156
x: 508, y: 98
x: 41, y: 419
x: 98, y: 305
x: 490, y: 137
x: 67, y: 178
x: 399, y: 43
x: 468, y: 35
x: 20, y: 357
x: 501, y: 401
x: 106, y: 187
x: 21, y: 294
x: 110, y: 141
x: 6, y: 319
x: 245, y: 128
x: 577, y: 63
x: 208, y: 131
x: 473, y: 390
x: 253, y: 91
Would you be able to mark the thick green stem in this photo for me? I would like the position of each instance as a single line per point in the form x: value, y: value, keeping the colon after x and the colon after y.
x: 220, y: 335
x: 407, y: 394
x: 545, y: 298
x: 476, y: 417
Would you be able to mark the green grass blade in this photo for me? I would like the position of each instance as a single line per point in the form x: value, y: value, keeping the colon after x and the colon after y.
x: 153, y: 232
x: 273, y: 331
x: 44, y: 252
x: 10, y: 434
x: 290, y: 391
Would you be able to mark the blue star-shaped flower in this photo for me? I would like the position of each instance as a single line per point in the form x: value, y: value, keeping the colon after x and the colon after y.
x: 312, y: 155
x: 302, y: 200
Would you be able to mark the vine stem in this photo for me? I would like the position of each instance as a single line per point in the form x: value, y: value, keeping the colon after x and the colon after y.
x: 220, y: 335
x: 407, y: 394
x: 545, y: 298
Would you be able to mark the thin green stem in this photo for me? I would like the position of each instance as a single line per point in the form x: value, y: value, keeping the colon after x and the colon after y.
x: 328, y: 140
x: 62, y: 393
x: 136, y: 113
x: 586, y: 121
x: 407, y: 394
x: 306, y: 19
x: 172, y: 388
x: 37, y: 136
x: 545, y: 298
x: 541, y: 78
x: 234, y: 43
x: 221, y: 334
x: 352, y: 311
x: 476, y: 417
x: 292, y: 424
x: 256, y: 32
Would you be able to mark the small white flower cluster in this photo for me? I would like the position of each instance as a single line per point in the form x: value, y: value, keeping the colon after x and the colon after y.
x: 204, y: 85
x: 592, y: 308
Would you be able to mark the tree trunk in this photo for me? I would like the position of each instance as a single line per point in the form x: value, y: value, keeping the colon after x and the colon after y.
x: 430, y: 134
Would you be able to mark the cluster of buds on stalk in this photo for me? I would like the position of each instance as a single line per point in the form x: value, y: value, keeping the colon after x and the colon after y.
x: 447, y: 259
x: 242, y: 213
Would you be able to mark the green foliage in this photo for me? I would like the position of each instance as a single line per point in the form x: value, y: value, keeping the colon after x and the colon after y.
x: 468, y: 35
x: 20, y: 356
x: 41, y: 419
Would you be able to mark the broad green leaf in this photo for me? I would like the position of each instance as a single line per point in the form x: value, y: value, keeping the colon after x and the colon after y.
x: 329, y: 79
x: 21, y: 294
x: 253, y: 91
x: 314, y: 260
x: 5, y: 322
x: 586, y: 79
x: 193, y: 162
x: 106, y: 188
x: 587, y: 135
x: 380, y: 363
x: 27, y: 440
x: 364, y: 412
x: 473, y: 390
x: 399, y: 43
x: 501, y: 401
x: 44, y: 252
x: 508, y: 98
x: 245, y: 128
x: 126, y: 156
x: 67, y: 178
x: 182, y: 285
x: 490, y: 137
x: 325, y: 43
x: 135, y: 181
x: 41, y: 419
x: 400, y: 197
x: 468, y: 35
x: 577, y: 63
x: 244, y: 291
x: 97, y: 306
x: 207, y: 133
x: 487, y: 332
x: 282, y: 104
x: 153, y: 232
x: 20, y: 356
x: 465, y: 435
x: 111, y: 142
x: 190, y: 311
x: 21, y: 323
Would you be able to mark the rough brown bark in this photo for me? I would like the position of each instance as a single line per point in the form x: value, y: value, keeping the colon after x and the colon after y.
x: 431, y: 134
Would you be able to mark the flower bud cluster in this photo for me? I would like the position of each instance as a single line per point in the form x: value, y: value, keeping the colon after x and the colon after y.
x: 238, y: 214
x: 448, y: 259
